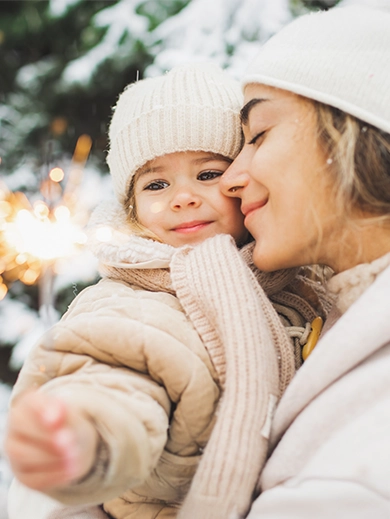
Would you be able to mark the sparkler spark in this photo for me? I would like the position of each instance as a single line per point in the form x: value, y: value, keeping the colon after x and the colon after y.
x: 35, y: 237
x: 43, y: 234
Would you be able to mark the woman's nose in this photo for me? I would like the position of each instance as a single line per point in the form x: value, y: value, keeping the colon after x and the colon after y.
x: 185, y: 197
x: 235, y: 178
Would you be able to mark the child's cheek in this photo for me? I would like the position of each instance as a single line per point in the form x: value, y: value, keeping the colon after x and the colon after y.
x: 157, y: 207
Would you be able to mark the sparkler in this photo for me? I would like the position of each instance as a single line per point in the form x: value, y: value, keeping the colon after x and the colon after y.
x: 33, y: 237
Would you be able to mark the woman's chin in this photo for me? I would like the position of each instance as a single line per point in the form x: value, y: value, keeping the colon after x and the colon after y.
x: 268, y: 261
x: 262, y: 260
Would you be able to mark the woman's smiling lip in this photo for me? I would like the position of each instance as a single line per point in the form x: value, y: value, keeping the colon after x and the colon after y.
x: 191, y: 226
x: 249, y: 208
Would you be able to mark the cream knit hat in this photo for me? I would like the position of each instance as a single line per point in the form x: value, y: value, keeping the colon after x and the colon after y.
x: 340, y: 57
x: 192, y: 108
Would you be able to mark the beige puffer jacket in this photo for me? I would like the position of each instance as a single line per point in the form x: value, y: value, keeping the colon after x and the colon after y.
x: 129, y: 355
x: 126, y: 353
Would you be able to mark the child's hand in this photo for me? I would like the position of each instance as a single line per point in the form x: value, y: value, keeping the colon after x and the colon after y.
x: 48, y: 444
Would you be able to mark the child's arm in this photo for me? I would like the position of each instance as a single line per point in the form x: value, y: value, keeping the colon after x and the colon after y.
x: 48, y: 444
x: 129, y: 433
x: 124, y: 357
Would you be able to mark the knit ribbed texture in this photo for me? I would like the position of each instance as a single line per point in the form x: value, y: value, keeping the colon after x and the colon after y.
x: 349, y: 285
x: 225, y: 297
x: 271, y: 282
x: 192, y: 108
x: 155, y: 280
x: 339, y: 57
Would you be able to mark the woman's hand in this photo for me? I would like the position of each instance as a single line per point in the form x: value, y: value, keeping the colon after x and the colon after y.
x: 48, y: 444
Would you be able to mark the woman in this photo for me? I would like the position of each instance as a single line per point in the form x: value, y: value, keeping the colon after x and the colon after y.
x: 314, y: 182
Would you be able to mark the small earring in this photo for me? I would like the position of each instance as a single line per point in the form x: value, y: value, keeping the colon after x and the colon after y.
x: 233, y: 189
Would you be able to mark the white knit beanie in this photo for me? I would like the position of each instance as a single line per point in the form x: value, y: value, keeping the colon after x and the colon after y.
x: 191, y: 108
x: 340, y: 57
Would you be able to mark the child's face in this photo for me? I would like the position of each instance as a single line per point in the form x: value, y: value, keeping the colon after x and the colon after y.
x: 178, y: 198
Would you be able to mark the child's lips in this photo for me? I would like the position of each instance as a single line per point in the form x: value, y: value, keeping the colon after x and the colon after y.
x: 189, y: 227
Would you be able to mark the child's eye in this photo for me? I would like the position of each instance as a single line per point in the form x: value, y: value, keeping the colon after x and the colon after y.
x: 257, y: 138
x: 156, y: 185
x: 209, y: 175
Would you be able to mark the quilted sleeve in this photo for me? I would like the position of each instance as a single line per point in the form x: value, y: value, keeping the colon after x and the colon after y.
x: 124, y: 356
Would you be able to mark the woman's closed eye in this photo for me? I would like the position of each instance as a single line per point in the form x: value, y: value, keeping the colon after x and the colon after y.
x: 257, y: 139
x: 156, y: 185
x: 209, y: 175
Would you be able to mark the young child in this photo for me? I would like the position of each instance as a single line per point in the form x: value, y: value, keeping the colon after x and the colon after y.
x: 128, y: 382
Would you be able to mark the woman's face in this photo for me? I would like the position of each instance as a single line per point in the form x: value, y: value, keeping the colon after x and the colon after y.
x: 284, y: 181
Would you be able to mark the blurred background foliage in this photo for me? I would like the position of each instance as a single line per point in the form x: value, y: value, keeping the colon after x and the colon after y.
x: 63, y: 64
x: 39, y: 41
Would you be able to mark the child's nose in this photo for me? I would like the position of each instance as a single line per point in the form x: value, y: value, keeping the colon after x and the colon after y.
x: 236, y: 177
x: 185, y: 197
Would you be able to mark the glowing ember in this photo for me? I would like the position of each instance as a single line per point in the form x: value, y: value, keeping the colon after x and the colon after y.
x: 59, y: 125
x: 61, y: 213
x: 82, y: 149
x: 57, y: 174
x: 3, y: 289
x: 41, y: 211
x: 30, y: 277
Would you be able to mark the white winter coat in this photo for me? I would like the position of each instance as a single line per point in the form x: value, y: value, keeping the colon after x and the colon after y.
x: 330, y: 441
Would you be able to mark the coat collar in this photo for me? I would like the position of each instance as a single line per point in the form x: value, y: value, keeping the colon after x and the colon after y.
x: 118, y: 247
x: 362, y: 330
